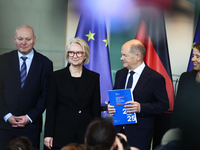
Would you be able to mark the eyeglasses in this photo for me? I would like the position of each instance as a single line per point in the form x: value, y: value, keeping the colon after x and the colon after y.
x: 78, y: 53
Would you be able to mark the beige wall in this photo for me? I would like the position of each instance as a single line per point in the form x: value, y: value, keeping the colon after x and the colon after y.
x: 47, y: 17
x: 180, y: 33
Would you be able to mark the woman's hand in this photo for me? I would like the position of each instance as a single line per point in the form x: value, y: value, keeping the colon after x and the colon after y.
x: 48, y: 142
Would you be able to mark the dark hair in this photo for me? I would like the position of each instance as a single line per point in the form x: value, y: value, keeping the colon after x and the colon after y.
x: 100, y: 135
x: 197, y: 46
x: 20, y: 143
x: 74, y: 146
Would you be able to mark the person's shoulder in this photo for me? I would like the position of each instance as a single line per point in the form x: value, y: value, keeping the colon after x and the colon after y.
x: 60, y: 71
x: 6, y: 57
x: 121, y: 73
x: 59, y: 74
x: 8, y: 54
x: 123, y: 70
x: 90, y: 72
x: 42, y: 57
x: 188, y: 74
x: 153, y: 72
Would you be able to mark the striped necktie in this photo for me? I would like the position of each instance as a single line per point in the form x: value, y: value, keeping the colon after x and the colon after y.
x: 23, y: 71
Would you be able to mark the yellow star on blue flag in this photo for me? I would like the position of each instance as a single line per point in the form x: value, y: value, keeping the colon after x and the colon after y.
x: 90, y: 36
x: 106, y: 40
x: 193, y: 45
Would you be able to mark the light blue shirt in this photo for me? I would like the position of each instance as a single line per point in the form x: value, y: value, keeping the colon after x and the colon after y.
x: 28, y: 64
x: 28, y: 60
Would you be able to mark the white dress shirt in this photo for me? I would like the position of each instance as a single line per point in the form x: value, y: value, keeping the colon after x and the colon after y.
x: 136, y: 75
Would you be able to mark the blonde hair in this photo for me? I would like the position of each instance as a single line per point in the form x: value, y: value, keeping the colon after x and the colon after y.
x: 84, y: 46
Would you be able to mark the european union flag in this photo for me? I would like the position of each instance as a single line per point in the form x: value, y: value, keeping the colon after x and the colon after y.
x: 195, y: 41
x: 93, y: 31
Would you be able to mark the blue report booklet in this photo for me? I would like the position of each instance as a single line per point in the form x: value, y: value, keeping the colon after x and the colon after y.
x: 118, y: 98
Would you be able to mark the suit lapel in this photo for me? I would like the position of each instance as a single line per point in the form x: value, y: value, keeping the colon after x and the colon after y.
x: 86, y: 80
x: 123, y: 80
x: 144, y: 77
x: 67, y: 83
x: 16, y: 69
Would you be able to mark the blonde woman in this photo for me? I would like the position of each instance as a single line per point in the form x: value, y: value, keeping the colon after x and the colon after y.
x: 74, y: 99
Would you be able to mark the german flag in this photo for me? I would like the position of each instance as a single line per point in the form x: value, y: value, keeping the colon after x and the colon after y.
x: 152, y: 33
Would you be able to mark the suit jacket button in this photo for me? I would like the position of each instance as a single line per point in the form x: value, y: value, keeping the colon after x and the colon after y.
x: 79, y: 111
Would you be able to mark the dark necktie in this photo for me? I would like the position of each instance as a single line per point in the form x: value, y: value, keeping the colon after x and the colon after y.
x: 23, y: 71
x: 130, y: 80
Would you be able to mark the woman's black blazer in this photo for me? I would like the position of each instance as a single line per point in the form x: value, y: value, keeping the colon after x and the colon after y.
x: 69, y: 111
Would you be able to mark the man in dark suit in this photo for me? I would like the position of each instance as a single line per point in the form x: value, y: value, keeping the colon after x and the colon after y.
x: 149, y: 94
x: 24, y: 78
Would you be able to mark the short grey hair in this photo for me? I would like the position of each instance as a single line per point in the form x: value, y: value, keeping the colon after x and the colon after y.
x: 137, y: 48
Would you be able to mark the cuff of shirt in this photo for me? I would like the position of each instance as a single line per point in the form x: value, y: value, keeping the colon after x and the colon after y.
x: 7, y: 116
x: 29, y: 118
